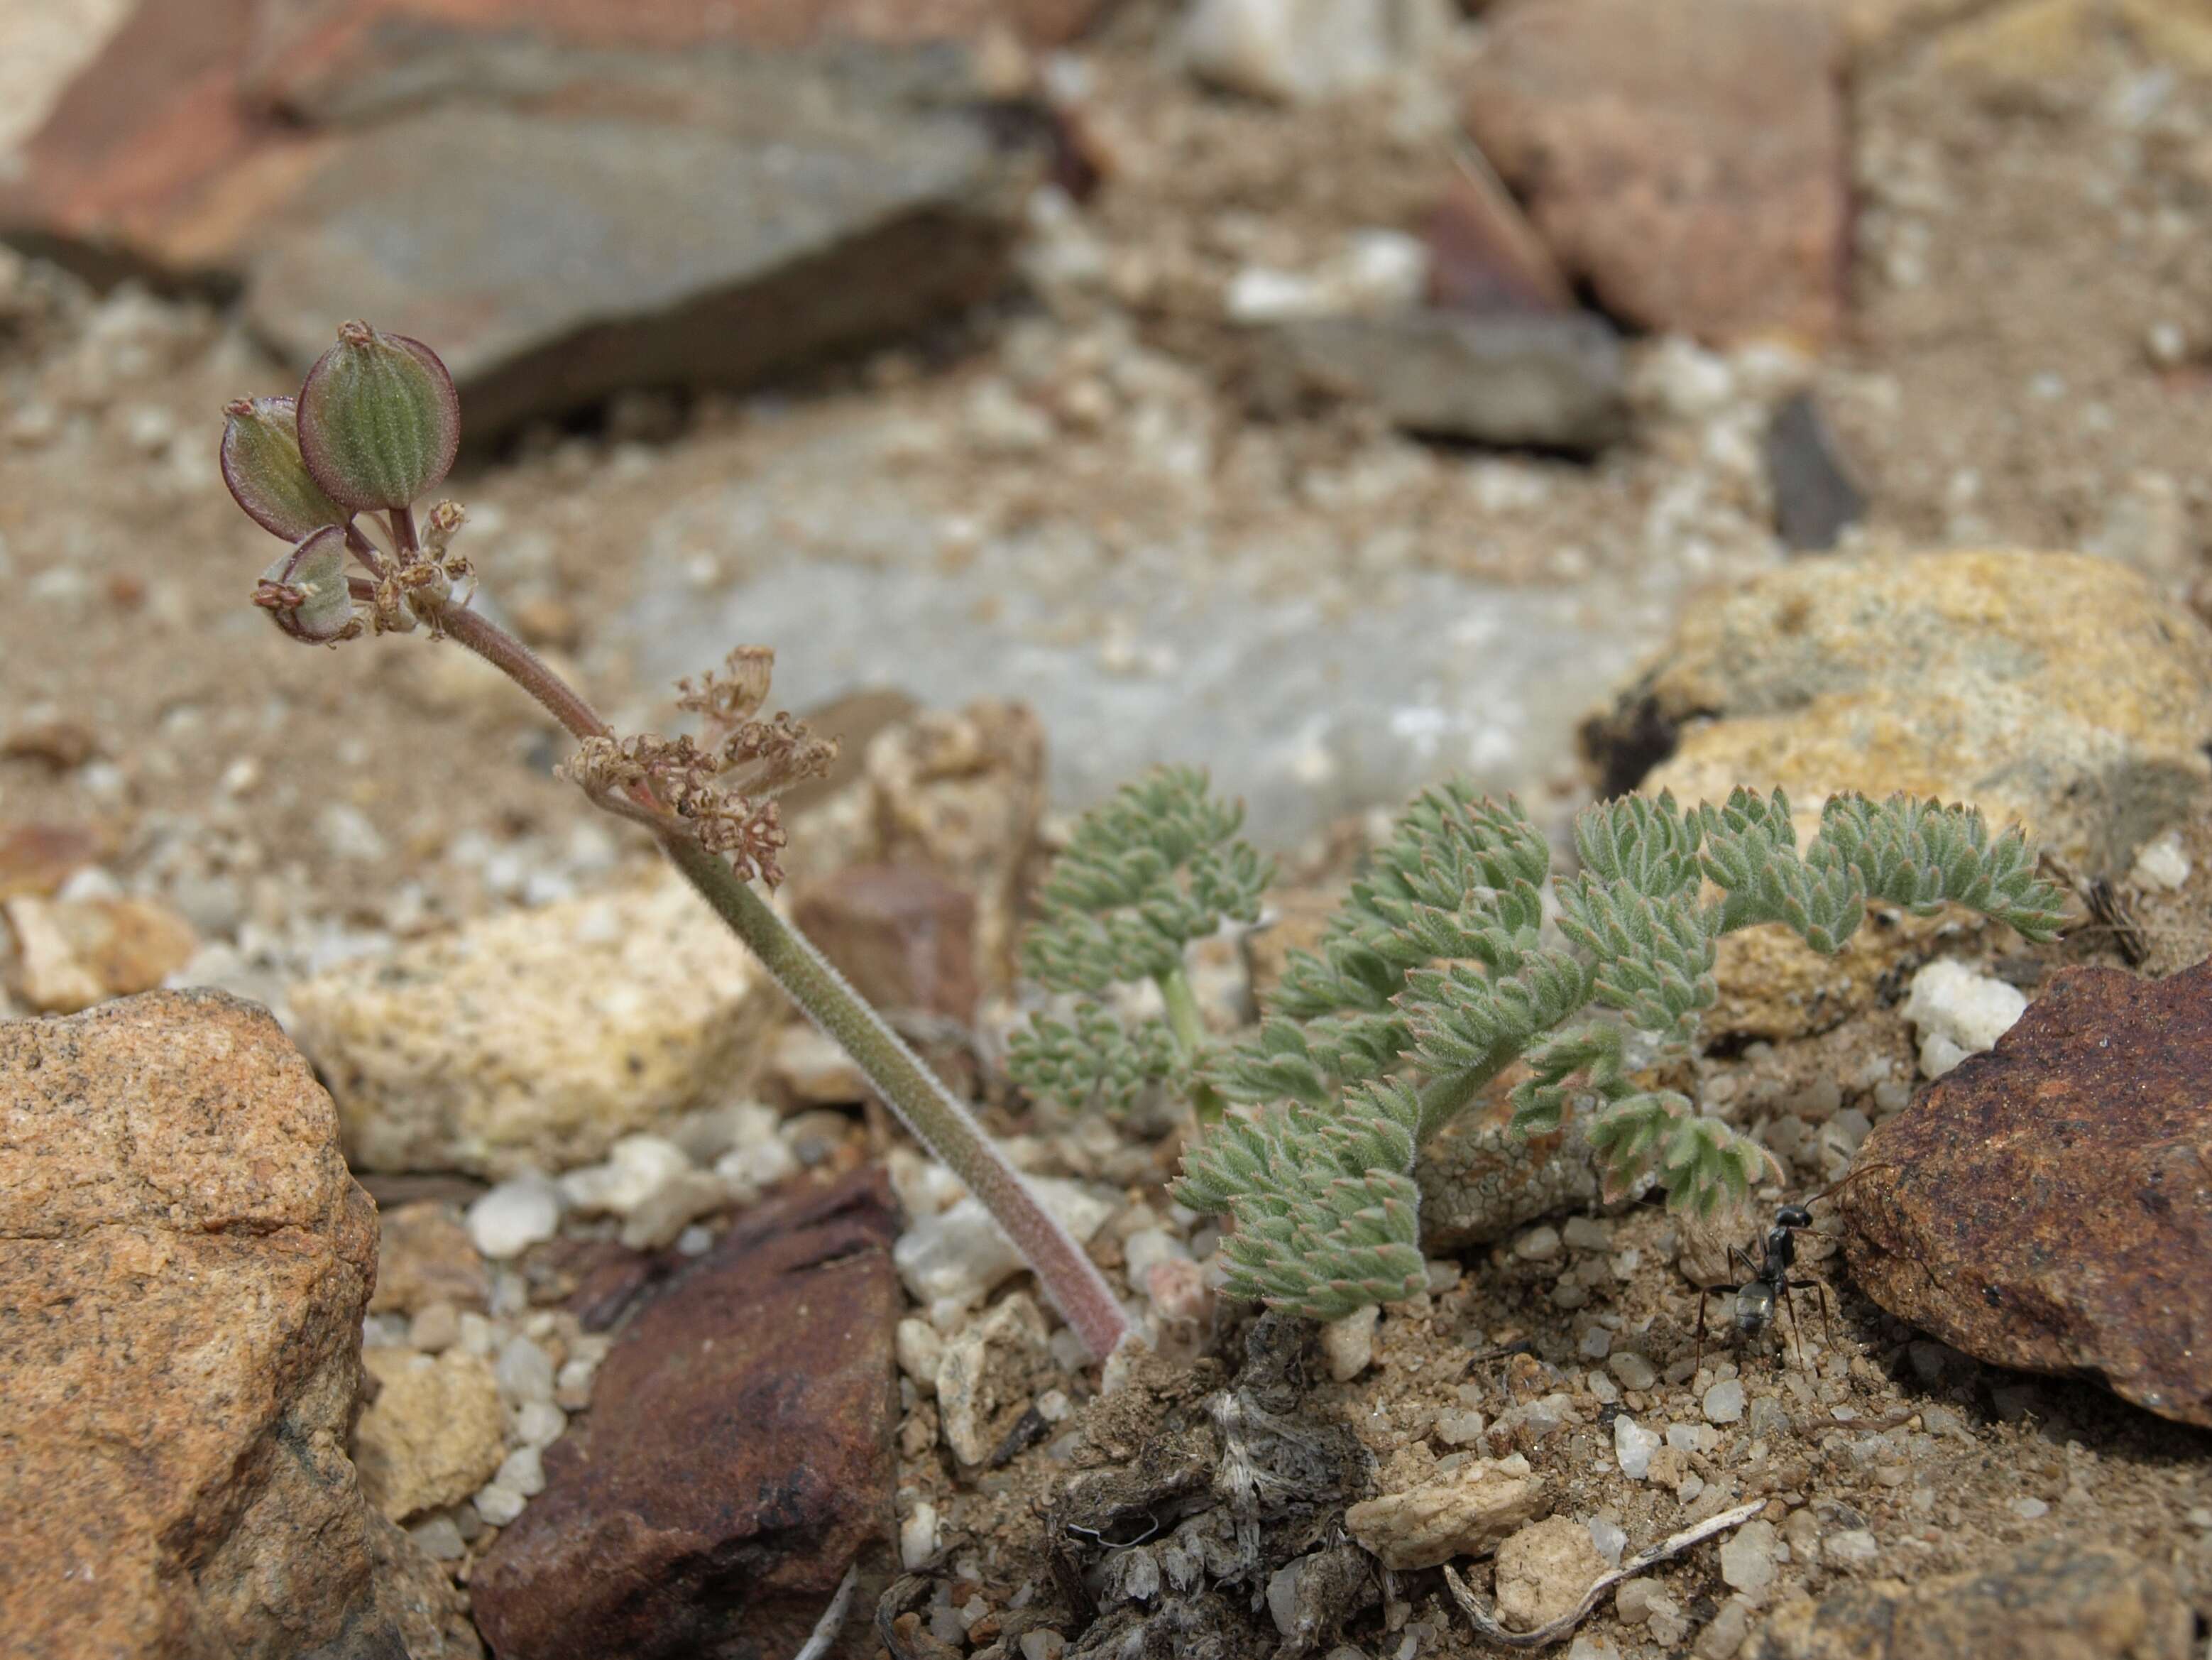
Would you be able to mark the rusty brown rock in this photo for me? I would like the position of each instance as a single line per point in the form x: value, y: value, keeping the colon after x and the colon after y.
x: 180, y: 1304
x: 37, y: 858
x: 2046, y: 1205
x: 425, y: 1255
x: 737, y: 1458
x: 904, y: 935
x: 2056, y: 1600
x: 1688, y: 160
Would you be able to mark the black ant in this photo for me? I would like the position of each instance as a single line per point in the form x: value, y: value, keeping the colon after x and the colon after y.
x: 1768, y: 1283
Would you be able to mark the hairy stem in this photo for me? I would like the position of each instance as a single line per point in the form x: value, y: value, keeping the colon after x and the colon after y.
x: 928, y: 1108
x: 1445, y: 1098
x: 937, y: 1117
x: 526, y: 668
x: 1189, y: 1029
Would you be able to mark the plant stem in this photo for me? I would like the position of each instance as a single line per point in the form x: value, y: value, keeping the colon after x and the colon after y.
x: 928, y: 1108
x: 1445, y: 1098
x: 1189, y: 1029
x: 937, y: 1116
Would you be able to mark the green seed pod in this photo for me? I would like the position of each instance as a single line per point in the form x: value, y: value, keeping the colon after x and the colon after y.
x: 378, y: 419
x: 261, y: 465
x: 305, y: 592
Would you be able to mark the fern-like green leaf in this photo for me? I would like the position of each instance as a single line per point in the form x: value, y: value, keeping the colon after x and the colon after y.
x: 1146, y: 873
x: 1093, y: 1061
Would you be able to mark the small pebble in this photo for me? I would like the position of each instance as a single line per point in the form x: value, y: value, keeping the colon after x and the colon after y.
x: 1633, y: 1371
x: 2030, y: 1510
x: 1632, y: 1446
x: 921, y: 1350
x: 1456, y: 1429
x: 1721, y: 1638
x: 2162, y: 864
x: 521, y: 1472
x: 435, y: 1328
x: 1596, y: 1344
x: 1610, y: 1538
x: 1852, y: 1547
x: 525, y: 1371
x: 539, y: 1423
x: 513, y: 1216
x: 1348, y: 1345
x: 440, y: 1538
x: 1043, y: 1643
x: 498, y: 1505
x: 917, y: 1536
x: 1632, y: 1601
x: 1748, y: 1556
x: 1537, y: 1244
x: 1587, y: 1233
x: 1724, y: 1401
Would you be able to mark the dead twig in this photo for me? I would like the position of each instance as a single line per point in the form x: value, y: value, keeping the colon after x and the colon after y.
x: 833, y: 1618
x: 1487, y: 1623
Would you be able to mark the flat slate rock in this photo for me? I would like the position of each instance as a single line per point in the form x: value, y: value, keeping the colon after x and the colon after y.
x: 1546, y: 380
x: 567, y: 200
x: 736, y: 1460
x: 2048, y: 1205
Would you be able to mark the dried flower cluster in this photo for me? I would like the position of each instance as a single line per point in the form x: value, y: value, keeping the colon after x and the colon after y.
x: 721, y: 788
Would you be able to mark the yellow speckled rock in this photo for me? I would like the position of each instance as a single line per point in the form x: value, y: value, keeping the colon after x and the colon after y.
x: 536, y: 1040
x: 2033, y: 41
x: 2055, y: 690
x: 433, y: 1434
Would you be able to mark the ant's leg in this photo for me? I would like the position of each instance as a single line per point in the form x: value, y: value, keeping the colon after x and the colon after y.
x: 1788, y: 1308
x: 1827, y: 1331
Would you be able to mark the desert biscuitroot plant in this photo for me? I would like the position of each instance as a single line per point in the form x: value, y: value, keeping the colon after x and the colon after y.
x: 1438, y: 973
x: 1149, y: 872
x: 374, y: 428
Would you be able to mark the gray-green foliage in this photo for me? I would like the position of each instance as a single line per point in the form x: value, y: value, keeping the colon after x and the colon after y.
x: 1438, y: 973
x: 1158, y: 865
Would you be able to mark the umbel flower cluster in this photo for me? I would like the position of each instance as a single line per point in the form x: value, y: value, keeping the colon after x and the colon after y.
x: 374, y: 428
x: 1440, y: 971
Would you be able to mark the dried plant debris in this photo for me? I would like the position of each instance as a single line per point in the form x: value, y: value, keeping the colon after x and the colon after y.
x: 1209, y: 1524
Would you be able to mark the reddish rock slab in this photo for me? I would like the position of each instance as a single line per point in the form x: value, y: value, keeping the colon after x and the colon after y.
x: 1485, y: 256
x: 1689, y: 160
x: 181, y: 1292
x: 150, y: 163
x: 2049, y: 1204
x: 736, y: 1460
x: 904, y: 935
x: 185, y: 139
